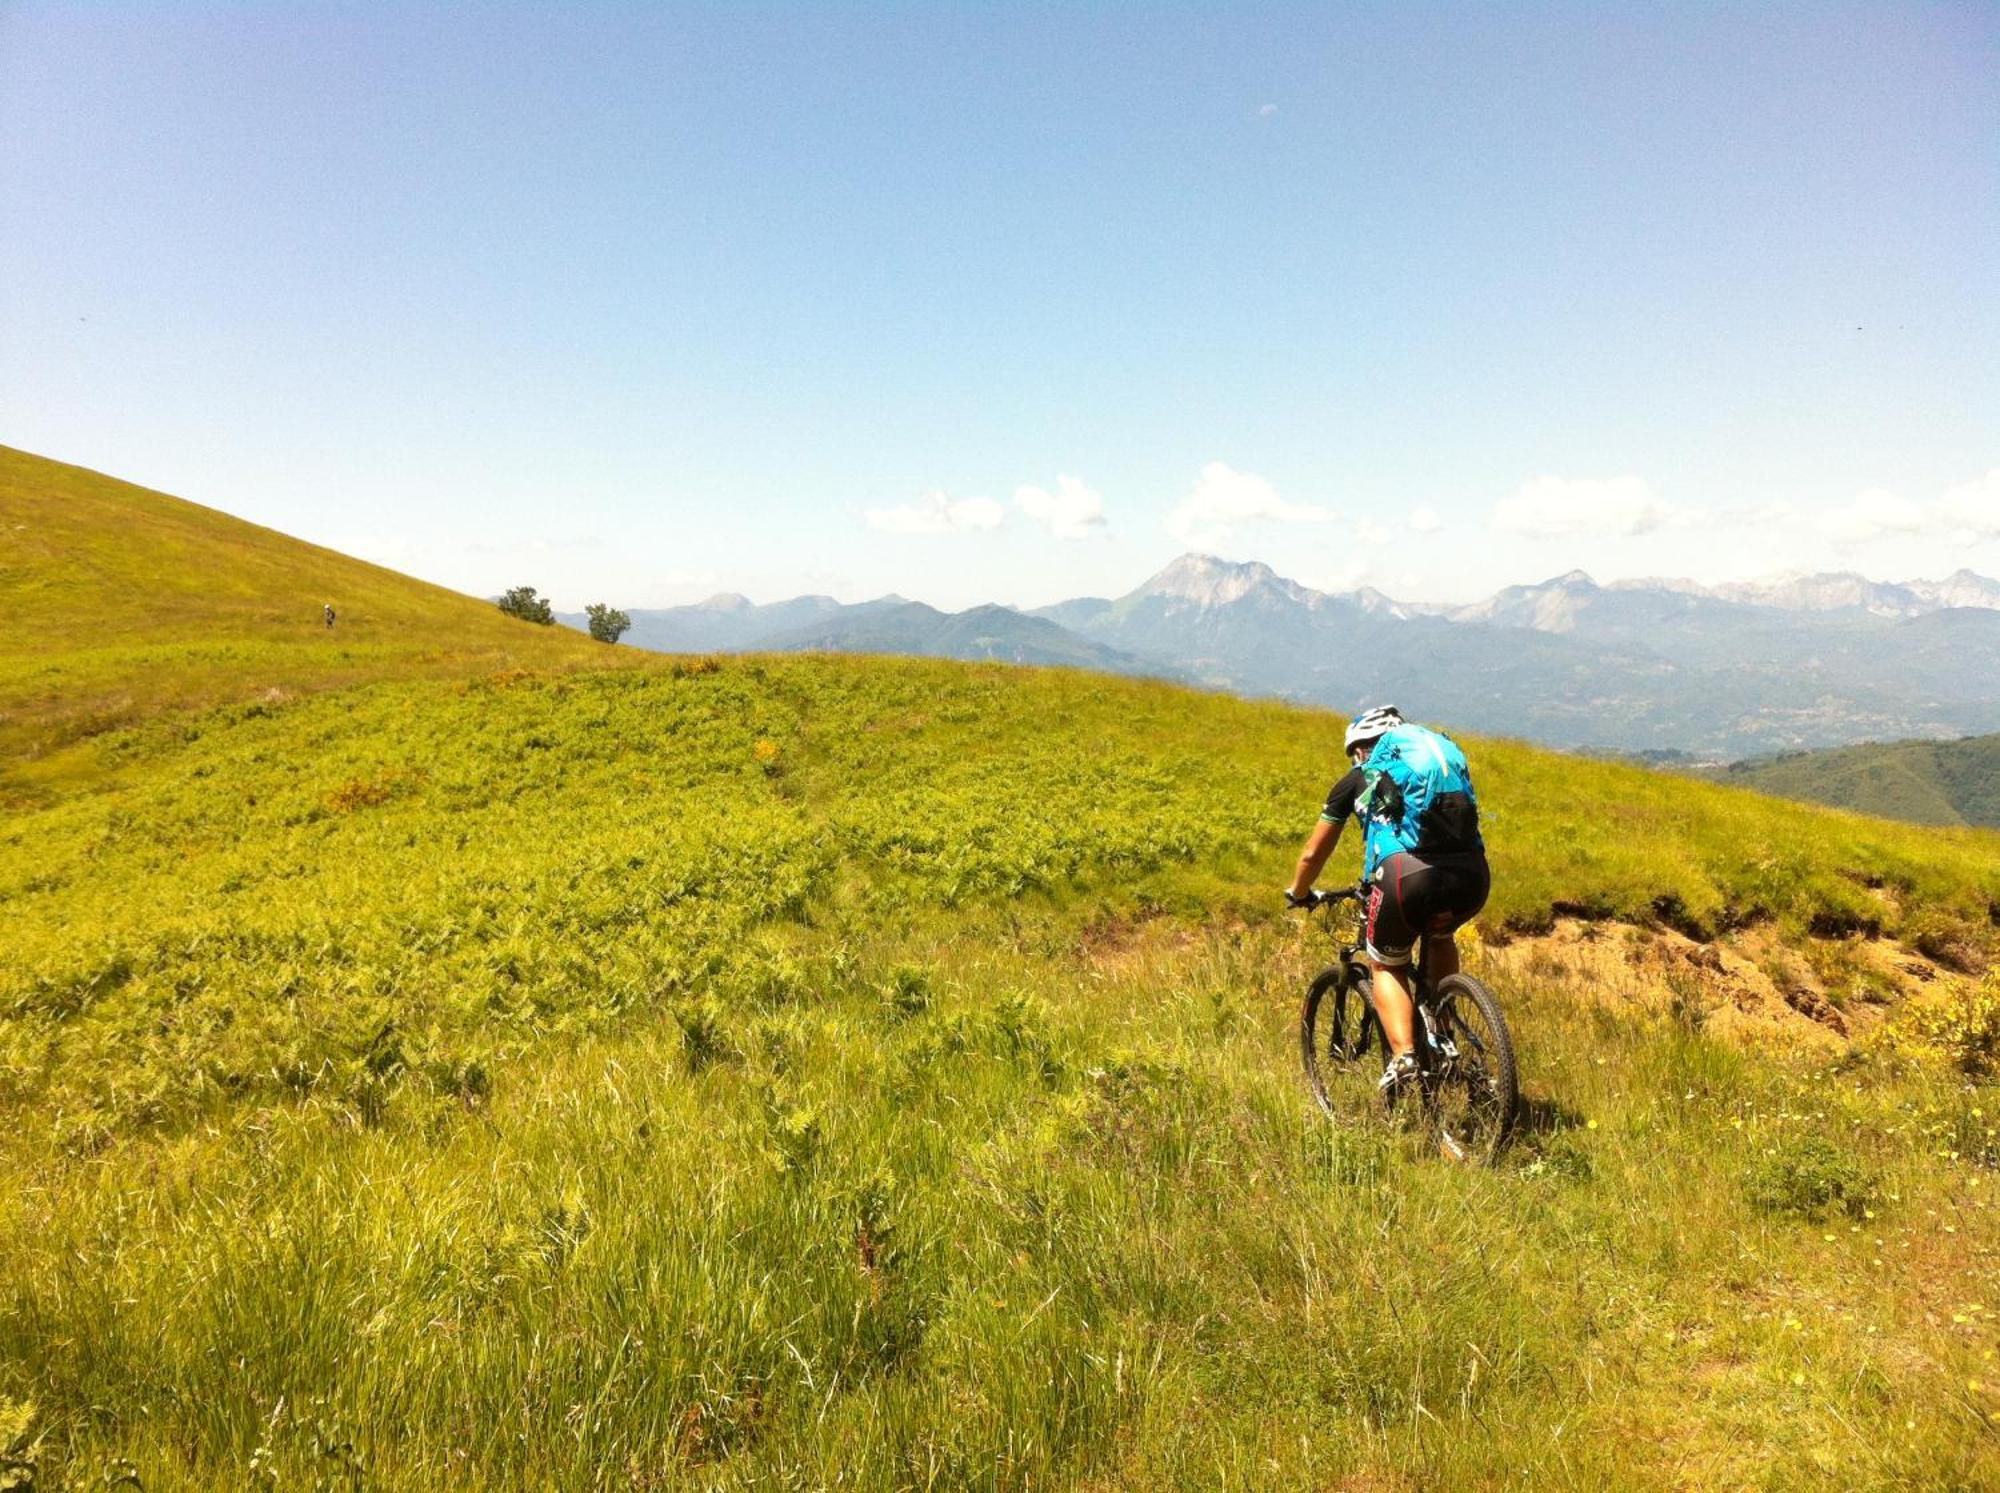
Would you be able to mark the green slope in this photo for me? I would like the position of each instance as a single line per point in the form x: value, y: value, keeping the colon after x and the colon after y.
x: 880, y: 1073
x: 119, y: 602
x: 1926, y: 782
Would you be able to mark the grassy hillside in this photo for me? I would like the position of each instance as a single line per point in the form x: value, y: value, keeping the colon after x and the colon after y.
x: 1926, y: 782
x: 813, y: 1071
x: 119, y: 602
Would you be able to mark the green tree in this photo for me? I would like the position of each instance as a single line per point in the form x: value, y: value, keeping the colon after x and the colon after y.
x: 522, y: 602
x: 607, y: 623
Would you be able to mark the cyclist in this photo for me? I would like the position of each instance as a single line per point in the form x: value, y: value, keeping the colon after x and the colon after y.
x: 1423, y: 861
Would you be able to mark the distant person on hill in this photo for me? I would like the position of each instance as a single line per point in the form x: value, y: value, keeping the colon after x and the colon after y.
x: 329, y: 614
x: 1423, y: 861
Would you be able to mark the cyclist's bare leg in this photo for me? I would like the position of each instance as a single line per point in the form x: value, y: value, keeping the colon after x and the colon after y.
x: 1394, y: 1008
x: 1440, y: 957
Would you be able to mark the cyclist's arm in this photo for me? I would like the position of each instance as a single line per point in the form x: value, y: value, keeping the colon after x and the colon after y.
x: 1312, y: 860
x: 1326, y: 834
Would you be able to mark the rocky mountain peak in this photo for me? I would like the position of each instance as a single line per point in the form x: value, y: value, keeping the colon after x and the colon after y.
x: 1209, y: 581
x: 1828, y: 591
x: 1369, y: 599
x: 1962, y: 588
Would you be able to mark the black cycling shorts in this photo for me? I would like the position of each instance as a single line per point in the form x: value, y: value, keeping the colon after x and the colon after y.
x: 1412, y: 898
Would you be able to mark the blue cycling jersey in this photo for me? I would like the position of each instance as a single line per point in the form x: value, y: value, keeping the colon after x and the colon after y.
x: 1417, y: 796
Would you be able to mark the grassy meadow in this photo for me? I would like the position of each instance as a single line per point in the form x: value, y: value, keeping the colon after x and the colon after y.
x: 121, y: 602
x: 818, y: 1072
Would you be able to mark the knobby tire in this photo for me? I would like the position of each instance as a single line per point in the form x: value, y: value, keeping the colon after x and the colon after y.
x: 1334, y: 1029
x: 1474, y: 1101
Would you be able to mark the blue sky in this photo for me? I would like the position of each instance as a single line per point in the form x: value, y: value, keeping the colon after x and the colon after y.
x: 1016, y: 302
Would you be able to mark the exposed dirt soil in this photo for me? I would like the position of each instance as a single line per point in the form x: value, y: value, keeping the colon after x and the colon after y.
x: 1751, y: 987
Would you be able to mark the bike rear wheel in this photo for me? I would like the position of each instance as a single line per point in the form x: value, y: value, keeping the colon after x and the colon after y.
x: 1335, y: 1025
x: 1472, y: 1081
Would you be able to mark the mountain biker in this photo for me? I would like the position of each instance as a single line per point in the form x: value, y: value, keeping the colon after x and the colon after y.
x: 1423, y: 861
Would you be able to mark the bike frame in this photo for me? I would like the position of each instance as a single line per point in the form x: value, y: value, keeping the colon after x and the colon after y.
x: 1439, y: 1030
x: 1355, y: 955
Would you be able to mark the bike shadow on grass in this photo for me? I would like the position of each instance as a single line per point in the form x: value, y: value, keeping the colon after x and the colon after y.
x: 1547, y: 1139
x: 1541, y: 1115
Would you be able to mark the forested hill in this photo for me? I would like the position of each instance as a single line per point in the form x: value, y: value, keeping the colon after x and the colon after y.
x: 1926, y: 782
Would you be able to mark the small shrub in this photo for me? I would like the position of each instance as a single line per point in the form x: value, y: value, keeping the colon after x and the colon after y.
x: 1675, y: 914
x: 19, y: 1452
x: 1807, y: 1178
x: 907, y: 991
x: 522, y: 602
x: 1562, y: 1159
x: 705, y: 1038
x: 562, y: 1229
x: 607, y: 623
x: 767, y: 981
x: 1841, y: 922
x: 468, y: 1080
x: 796, y: 1137
x: 1962, y: 1029
x: 1949, y: 943
x: 1845, y: 975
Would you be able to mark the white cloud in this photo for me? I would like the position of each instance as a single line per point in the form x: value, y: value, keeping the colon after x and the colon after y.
x: 1267, y: 111
x: 1350, y: 576
x: 1370, y: 532
x: 1072, y: 511
x: 1780, y: 512
x: 1224, y: 499
x: 938, y: 512
x: 1424, y: 520
x: 1870, y: 515
x: 1549, y: 506
x: 1974, y: 506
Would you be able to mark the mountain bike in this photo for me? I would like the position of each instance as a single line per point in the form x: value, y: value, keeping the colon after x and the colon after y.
x: 1466, y: 1086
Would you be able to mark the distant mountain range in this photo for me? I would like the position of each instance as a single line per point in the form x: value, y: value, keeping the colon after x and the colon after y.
x: 1717, y: 671
x: 889, y: 624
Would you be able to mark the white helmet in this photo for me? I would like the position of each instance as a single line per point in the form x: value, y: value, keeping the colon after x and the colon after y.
x: 1370, y: 724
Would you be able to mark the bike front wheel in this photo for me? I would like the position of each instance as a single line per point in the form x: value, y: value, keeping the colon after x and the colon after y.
x: 1472, y: 1080
x: 1334, y: 1027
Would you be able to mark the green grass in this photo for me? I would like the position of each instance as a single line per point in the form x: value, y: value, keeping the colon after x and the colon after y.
x: 119, y: 603
x: 873, y: 1073
x: 1926, y: 782
x: 1088, y: 1236
x: 807, y: 1071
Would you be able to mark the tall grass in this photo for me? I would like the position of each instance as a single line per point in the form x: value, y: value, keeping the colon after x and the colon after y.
x: 1088, y: 1233
x: 871, y: 1073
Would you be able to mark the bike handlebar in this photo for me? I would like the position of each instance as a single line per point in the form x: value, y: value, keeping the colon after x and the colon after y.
x: 1327, y: 899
